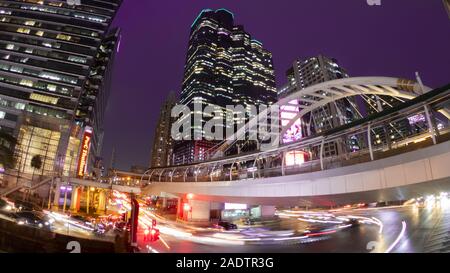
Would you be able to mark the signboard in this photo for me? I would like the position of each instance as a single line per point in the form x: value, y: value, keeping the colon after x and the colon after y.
x: 84, y: 152
x: 230, y: 206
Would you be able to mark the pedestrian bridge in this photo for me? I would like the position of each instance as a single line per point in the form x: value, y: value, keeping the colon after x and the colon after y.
x: 378, y: 163
x: 398, y: 177
x: 95, y: 184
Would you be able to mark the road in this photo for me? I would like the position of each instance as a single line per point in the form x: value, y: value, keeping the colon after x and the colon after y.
x: 405, y: 229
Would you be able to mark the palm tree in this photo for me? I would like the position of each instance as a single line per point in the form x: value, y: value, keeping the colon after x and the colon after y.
x: 36, y: 164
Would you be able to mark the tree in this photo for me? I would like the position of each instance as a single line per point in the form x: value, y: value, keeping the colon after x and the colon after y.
x: 36, y: 163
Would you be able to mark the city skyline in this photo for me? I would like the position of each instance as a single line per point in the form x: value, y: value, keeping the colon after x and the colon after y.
x: 163, y: 51
x: 312, y: 126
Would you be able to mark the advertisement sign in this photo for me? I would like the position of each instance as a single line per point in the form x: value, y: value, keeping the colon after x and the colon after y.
x: 84, y: 152
x: 230, y: 206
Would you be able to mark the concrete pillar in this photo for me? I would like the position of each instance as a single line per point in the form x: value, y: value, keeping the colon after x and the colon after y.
x: 179, y: 207
x: 75, y: 201
x: 58, y: 184
x: 268, y: 211
x: 201, y: 211
x: 101, y: 201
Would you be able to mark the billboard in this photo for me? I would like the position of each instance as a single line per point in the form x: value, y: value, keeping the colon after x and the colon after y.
x: 231, y: 206
x: 84, y: 152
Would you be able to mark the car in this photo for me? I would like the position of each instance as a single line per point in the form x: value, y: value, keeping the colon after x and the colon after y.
x: 83, y: 221
x: 227, y: 225
x: 248, y: 221
x: 6, y: 206
x: 25, y: 206
x: 33, y: 219
x: 100, y: 229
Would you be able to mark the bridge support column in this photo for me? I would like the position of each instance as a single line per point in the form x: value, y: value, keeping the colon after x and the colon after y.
x: 195, y: 210
x: 201, y: 210
x: 267, y: 211
x: 58, y: 184
x: 75, y: 201
x: 369, y: 141
x: 431, y: 127
x: 321, y: 154
x: 102, y: 201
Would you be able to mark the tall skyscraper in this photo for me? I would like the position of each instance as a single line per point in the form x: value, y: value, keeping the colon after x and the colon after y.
x: 311, y: 71
x: 56, y: 60
x: 224, y: 66
x: 394, y: 131
x: 162, y: 150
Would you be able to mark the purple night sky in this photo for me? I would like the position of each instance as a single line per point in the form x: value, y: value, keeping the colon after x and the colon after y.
x: 394, y: 39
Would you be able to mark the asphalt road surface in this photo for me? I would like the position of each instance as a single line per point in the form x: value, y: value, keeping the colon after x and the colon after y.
x: 405, y: 229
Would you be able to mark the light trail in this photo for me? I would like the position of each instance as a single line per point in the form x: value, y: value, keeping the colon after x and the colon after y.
x: 379, y: 223
x: 164, y: 242
x: 394, y: 244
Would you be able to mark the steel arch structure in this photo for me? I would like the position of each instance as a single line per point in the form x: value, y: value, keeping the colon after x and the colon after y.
x: 319, y: 95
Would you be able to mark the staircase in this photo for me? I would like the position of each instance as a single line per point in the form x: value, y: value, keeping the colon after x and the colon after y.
x: 17, y: 188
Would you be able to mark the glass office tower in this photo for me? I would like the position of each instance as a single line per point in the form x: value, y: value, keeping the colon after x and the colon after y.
x: 224, y: 66
x: 55, y: 68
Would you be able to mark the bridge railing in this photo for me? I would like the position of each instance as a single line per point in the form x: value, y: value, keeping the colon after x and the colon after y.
x: 413, y: 125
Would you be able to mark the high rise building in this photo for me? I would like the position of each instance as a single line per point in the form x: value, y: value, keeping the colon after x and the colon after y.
x: 55, y: 68
x: 394, y: 131
x: 311, y: 71
x: 224, y: 66
x: 162, y: 150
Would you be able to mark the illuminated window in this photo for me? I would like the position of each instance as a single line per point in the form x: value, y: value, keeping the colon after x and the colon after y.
x: 51, y: 87
x: 23, y: 30
x: 36, y: 141
x: 25, y: 82
x: 44, y: 98
x: 77, y: 59
x: 64, y: 37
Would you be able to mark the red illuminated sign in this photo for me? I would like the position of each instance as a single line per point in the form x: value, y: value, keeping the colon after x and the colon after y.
x: 84, y: 153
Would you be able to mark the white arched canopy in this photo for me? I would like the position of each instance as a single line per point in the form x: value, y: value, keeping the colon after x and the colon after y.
x: 314, y: 97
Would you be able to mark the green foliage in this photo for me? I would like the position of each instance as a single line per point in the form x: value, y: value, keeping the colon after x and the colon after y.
x: 36, y: 162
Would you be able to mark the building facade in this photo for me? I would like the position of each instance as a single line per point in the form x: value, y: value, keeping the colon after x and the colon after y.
x: 55, y: 67
x: 162, y: 151
x: 308, y: 72
x: 224, y: 66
